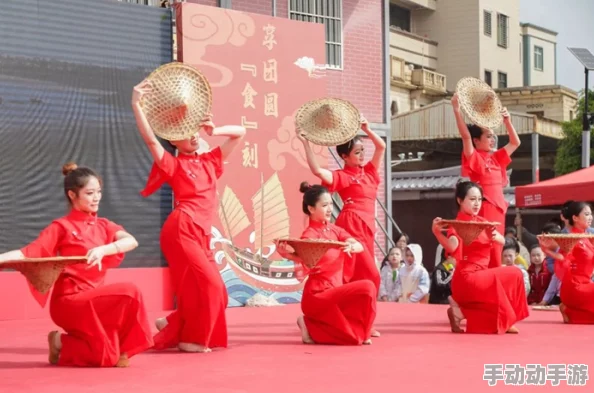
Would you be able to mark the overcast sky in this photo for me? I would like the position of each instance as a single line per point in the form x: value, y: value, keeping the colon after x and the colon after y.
x: 574, y: 21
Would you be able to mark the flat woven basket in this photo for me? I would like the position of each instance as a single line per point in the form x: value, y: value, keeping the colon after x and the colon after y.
x: 312, y: 250
x: 566, y: 241
x: 469, y: 230
x: 328, y: 121
x: 545, y: 308
x: 42, y: 273
x: 180, y: 100
x: 479, y: 102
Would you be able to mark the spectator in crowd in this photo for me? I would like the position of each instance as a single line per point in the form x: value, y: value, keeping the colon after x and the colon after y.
x: 540, y: 276
x: 509, y: 256
x: 402, y: 242
x: 389, y: 288
x: 414, y: 279
x: 441, y: 280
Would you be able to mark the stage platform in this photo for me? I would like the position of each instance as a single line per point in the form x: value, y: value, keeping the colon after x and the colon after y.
x: 416, y: 353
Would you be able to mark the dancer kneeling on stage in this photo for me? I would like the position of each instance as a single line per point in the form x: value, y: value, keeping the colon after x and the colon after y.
x: 105, y: 325
x: 577, y: 288
x: 491, y: 300
x: 334, y: 313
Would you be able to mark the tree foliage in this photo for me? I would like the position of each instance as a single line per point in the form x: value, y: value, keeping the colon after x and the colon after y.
x: 569, y: 152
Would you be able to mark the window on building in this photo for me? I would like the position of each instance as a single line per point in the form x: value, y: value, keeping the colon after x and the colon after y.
x: 328, y: 12
x: 538, y: 58
x: 399, y: 17
x: 502, y: 30
x: 501, y: 80
x: 487, y: 23
x: 489, y: 78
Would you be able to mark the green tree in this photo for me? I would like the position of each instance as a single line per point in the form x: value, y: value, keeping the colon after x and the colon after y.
x: 569, y: 152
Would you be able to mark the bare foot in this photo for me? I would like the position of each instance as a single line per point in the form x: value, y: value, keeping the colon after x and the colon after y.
x: 55, y: 345
x: 454, y: 321
x: 452, y: 302
x: 305, y: 337
x: 195, y: 348
x: 123, y: 361
x: 367, y: 342
x: 160, y: 323
x: 513, y: 330
x: 562, y: 309
x: 375, y: 333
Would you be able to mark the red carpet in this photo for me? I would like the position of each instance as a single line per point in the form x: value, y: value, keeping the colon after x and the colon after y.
x: 416, y: 353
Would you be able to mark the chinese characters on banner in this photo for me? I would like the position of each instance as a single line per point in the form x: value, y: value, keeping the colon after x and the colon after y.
x: 254, y: 66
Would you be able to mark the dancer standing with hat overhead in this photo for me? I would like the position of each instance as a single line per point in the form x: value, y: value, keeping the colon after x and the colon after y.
x: 105, y: 325
x: 357, y: 183
x: 334, y: 313
x: 486, y: 169
x: 491, y: 300
x: 199, y: 322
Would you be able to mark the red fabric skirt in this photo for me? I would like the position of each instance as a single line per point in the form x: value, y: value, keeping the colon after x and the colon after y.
x: 578, y: 299
x: 362, y: 265
x: 342, y: 315
x: 492, y: 213
x: 492, y: 300
x: 199, y: 288
x: 101, y: 324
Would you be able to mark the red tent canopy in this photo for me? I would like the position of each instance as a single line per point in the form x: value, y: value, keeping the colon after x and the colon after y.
x: 577, y: 186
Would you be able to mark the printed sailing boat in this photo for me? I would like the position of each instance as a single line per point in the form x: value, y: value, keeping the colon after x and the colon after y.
x: 271, y: 221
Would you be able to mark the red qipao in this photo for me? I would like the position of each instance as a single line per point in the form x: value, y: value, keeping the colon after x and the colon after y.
x: 577, y: 288
x: 101, y: 321
x: 336, y: 313
x: 492, y: 300
x: 490, y: 172
x: 185, y: 241
x: 357, y: 187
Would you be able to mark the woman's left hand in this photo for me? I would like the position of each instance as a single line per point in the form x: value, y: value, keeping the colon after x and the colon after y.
x: 348, y: 249
x: 94, y: 257
x: 207, y: 125
x: 505, y: 114
x: 492, y: 232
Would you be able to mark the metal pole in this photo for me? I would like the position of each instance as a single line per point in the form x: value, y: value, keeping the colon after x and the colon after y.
x: 273, y: 7
x: 535, y: 158
x: 586, y: 128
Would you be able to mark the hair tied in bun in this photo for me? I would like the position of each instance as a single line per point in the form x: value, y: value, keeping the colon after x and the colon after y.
x: 68, y: 167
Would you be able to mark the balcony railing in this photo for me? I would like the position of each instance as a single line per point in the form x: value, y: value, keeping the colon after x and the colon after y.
x: 430, y: 81
x: 426, y: 4
x: 413, y: 48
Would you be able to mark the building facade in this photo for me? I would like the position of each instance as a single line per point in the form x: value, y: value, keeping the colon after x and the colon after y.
x: 539, y: 55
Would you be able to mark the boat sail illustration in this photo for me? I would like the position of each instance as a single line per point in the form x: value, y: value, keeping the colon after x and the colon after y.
x: 271, y: 221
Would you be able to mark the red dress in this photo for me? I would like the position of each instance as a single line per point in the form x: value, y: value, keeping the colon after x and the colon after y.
x: 492, y: 300
x: 336, y: 313
x: 490, y: 172
x: 185, y: 241
x: 577, y: 288
x: 357, y: 187
x: 101, y: 321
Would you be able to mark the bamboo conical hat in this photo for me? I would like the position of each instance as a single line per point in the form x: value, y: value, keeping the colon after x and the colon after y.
x: 311, y: 250
x: 566, y: 241
x: 328, y: 121
x: 479, y: 102
x: 180, y: 100
x: 469, y: 230
x: 42, y: 273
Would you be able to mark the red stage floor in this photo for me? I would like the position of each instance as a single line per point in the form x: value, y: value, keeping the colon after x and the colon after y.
x: 415, y: 353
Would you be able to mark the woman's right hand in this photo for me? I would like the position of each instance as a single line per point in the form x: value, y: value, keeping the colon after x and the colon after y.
x: 300, y: 135
x: 140, y: 90
x: 438, y: 225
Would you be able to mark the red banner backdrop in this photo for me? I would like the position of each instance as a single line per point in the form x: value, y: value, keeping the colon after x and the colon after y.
x: 261, y: 69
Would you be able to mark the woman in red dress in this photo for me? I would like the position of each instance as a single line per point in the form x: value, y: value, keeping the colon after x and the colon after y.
x: 333, y: 312
x: 104, y: 325
x: 577, y: 288
x: 486, y: 169
x: 357, y: 184
x: 491, y: 300
x: 199, y: 322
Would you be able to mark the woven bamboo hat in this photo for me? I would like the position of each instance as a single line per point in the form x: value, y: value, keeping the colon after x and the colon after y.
x: 479, y: 102
x: 328, y: 121
x: 42, y: 273
x: 311, y: 250
x: 469, y: 230
x: 180, y: 100
x: 566, y: 241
